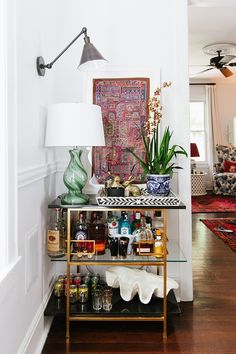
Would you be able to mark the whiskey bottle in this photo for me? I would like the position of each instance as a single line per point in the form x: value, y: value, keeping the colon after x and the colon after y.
x: 81, y: 230
x: 56, y: 234
x: 143, y: 238
x: 97, y: 232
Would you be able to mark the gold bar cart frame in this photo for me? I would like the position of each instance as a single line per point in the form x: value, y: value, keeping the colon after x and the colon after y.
x: 125, y: 262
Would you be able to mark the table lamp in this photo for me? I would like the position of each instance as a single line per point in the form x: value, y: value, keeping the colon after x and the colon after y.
x: 74, y: 124
x: 193, y: 153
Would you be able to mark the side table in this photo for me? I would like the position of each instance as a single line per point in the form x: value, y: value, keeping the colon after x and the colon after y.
x: 198, y: 183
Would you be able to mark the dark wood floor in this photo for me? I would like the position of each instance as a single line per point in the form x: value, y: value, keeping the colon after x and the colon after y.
x: 206, y: 325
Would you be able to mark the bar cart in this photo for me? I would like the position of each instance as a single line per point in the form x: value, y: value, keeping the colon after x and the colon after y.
x: 133, y: 310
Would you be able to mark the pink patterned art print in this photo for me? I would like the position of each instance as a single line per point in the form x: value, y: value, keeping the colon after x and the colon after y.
x: 124, y: 104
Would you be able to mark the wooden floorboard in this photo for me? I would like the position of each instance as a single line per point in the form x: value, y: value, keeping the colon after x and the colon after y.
x: 206, y: 325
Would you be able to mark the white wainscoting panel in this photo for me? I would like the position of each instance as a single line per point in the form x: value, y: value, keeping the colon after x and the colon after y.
x: 28, y: 176
x: 31, y: 258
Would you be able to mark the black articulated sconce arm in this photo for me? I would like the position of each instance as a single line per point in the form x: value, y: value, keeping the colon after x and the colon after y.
x: 90, y: 53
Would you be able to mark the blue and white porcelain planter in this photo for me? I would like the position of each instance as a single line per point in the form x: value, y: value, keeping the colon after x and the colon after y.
x: 158, y: 184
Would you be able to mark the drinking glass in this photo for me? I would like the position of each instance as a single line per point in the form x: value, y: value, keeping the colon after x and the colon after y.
x: 113, y: 245
x: 123, y: 247
x: 107, y: 299
x: 97, y: 300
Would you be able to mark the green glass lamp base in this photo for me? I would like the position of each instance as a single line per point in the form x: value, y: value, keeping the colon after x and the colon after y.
x: 75, y: 178
x: 72, y: 198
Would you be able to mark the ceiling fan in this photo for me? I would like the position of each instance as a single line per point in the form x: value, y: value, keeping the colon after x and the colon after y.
x: 222, y: 61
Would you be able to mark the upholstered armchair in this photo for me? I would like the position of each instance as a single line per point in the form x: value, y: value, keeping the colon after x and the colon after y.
x: 224, y: 176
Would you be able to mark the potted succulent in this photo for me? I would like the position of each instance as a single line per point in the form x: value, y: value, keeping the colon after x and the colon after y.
x: 158, y: 166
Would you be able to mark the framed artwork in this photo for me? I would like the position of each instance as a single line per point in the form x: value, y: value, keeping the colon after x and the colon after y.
x: 124, y: 104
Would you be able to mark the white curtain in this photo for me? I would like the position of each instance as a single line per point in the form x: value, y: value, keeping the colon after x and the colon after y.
x: 214, y: 131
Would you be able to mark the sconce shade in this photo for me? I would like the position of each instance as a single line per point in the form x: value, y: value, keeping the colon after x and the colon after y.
x: 90, y: 56
x: 194, y: 150
x: 74, y: 124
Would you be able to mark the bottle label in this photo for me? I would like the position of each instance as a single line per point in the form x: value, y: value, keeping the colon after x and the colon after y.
x: 144, y: 250
x: 158, y: 249
x: 80, y: 235
x: 53, y: 241
x: 113, y: 228
x: 124, y: 230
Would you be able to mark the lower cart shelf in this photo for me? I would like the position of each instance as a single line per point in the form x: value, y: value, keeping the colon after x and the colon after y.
x: 120, y: 308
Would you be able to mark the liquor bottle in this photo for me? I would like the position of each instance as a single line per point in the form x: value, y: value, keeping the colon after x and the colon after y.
x: 148, y: 233
x: 136, y: 224
x: 157, y: 221
x: 158, y: 244
x: 112, y: 224
x: 121, y: 219
x: 56, y: 234
x: 125, y: 227
x: 63, y: 227
x: 97, y: 232
x: 143, y: 238
x: 148, y: 221
x: 132, y: 217
x: 81, y: 230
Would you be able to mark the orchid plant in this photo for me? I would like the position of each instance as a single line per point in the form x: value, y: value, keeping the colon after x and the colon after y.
x: 158, y: 150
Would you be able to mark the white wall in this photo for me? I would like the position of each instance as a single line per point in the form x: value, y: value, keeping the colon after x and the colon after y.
x: 226, y: 99
x: 136, y: 37
x: 133, y: 35
x: 26, y: 286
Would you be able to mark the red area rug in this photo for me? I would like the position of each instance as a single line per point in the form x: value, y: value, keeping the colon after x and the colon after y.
x: 213, y: 204
x: 221, y: 228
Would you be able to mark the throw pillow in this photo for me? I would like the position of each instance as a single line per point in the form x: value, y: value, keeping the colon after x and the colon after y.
x: 224, y: 153
x: 229, y: 166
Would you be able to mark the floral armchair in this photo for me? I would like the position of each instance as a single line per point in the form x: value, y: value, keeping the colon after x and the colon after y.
x: 224, y: 176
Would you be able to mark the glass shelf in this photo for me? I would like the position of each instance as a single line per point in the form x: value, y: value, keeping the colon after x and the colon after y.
x: 120, y: 308
x: 94, y: 206
x: 174, y: 255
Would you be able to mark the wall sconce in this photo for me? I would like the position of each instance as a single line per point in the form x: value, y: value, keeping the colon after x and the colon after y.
x: 89, y: 54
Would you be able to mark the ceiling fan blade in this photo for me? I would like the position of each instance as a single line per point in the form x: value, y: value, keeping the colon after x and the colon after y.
x: 226, y: 59
x: 200, y: 72
x: 203, y: 71
x: 232, y: 64
x: 195, y: 70
x: 226, y: 72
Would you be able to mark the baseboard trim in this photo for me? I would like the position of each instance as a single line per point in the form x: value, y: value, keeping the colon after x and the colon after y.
x: 33, y: 327
x: 31, y: 175
x: 47, y: 325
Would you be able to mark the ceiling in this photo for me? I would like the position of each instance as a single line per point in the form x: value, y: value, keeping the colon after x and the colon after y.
x: 210, y: 21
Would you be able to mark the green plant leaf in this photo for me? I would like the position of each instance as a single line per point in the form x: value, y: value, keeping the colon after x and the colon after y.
x: 159, y: 153
x: 143, y: 163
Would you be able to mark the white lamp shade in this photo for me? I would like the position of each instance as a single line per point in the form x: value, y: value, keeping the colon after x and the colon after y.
x: 74, y: 124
